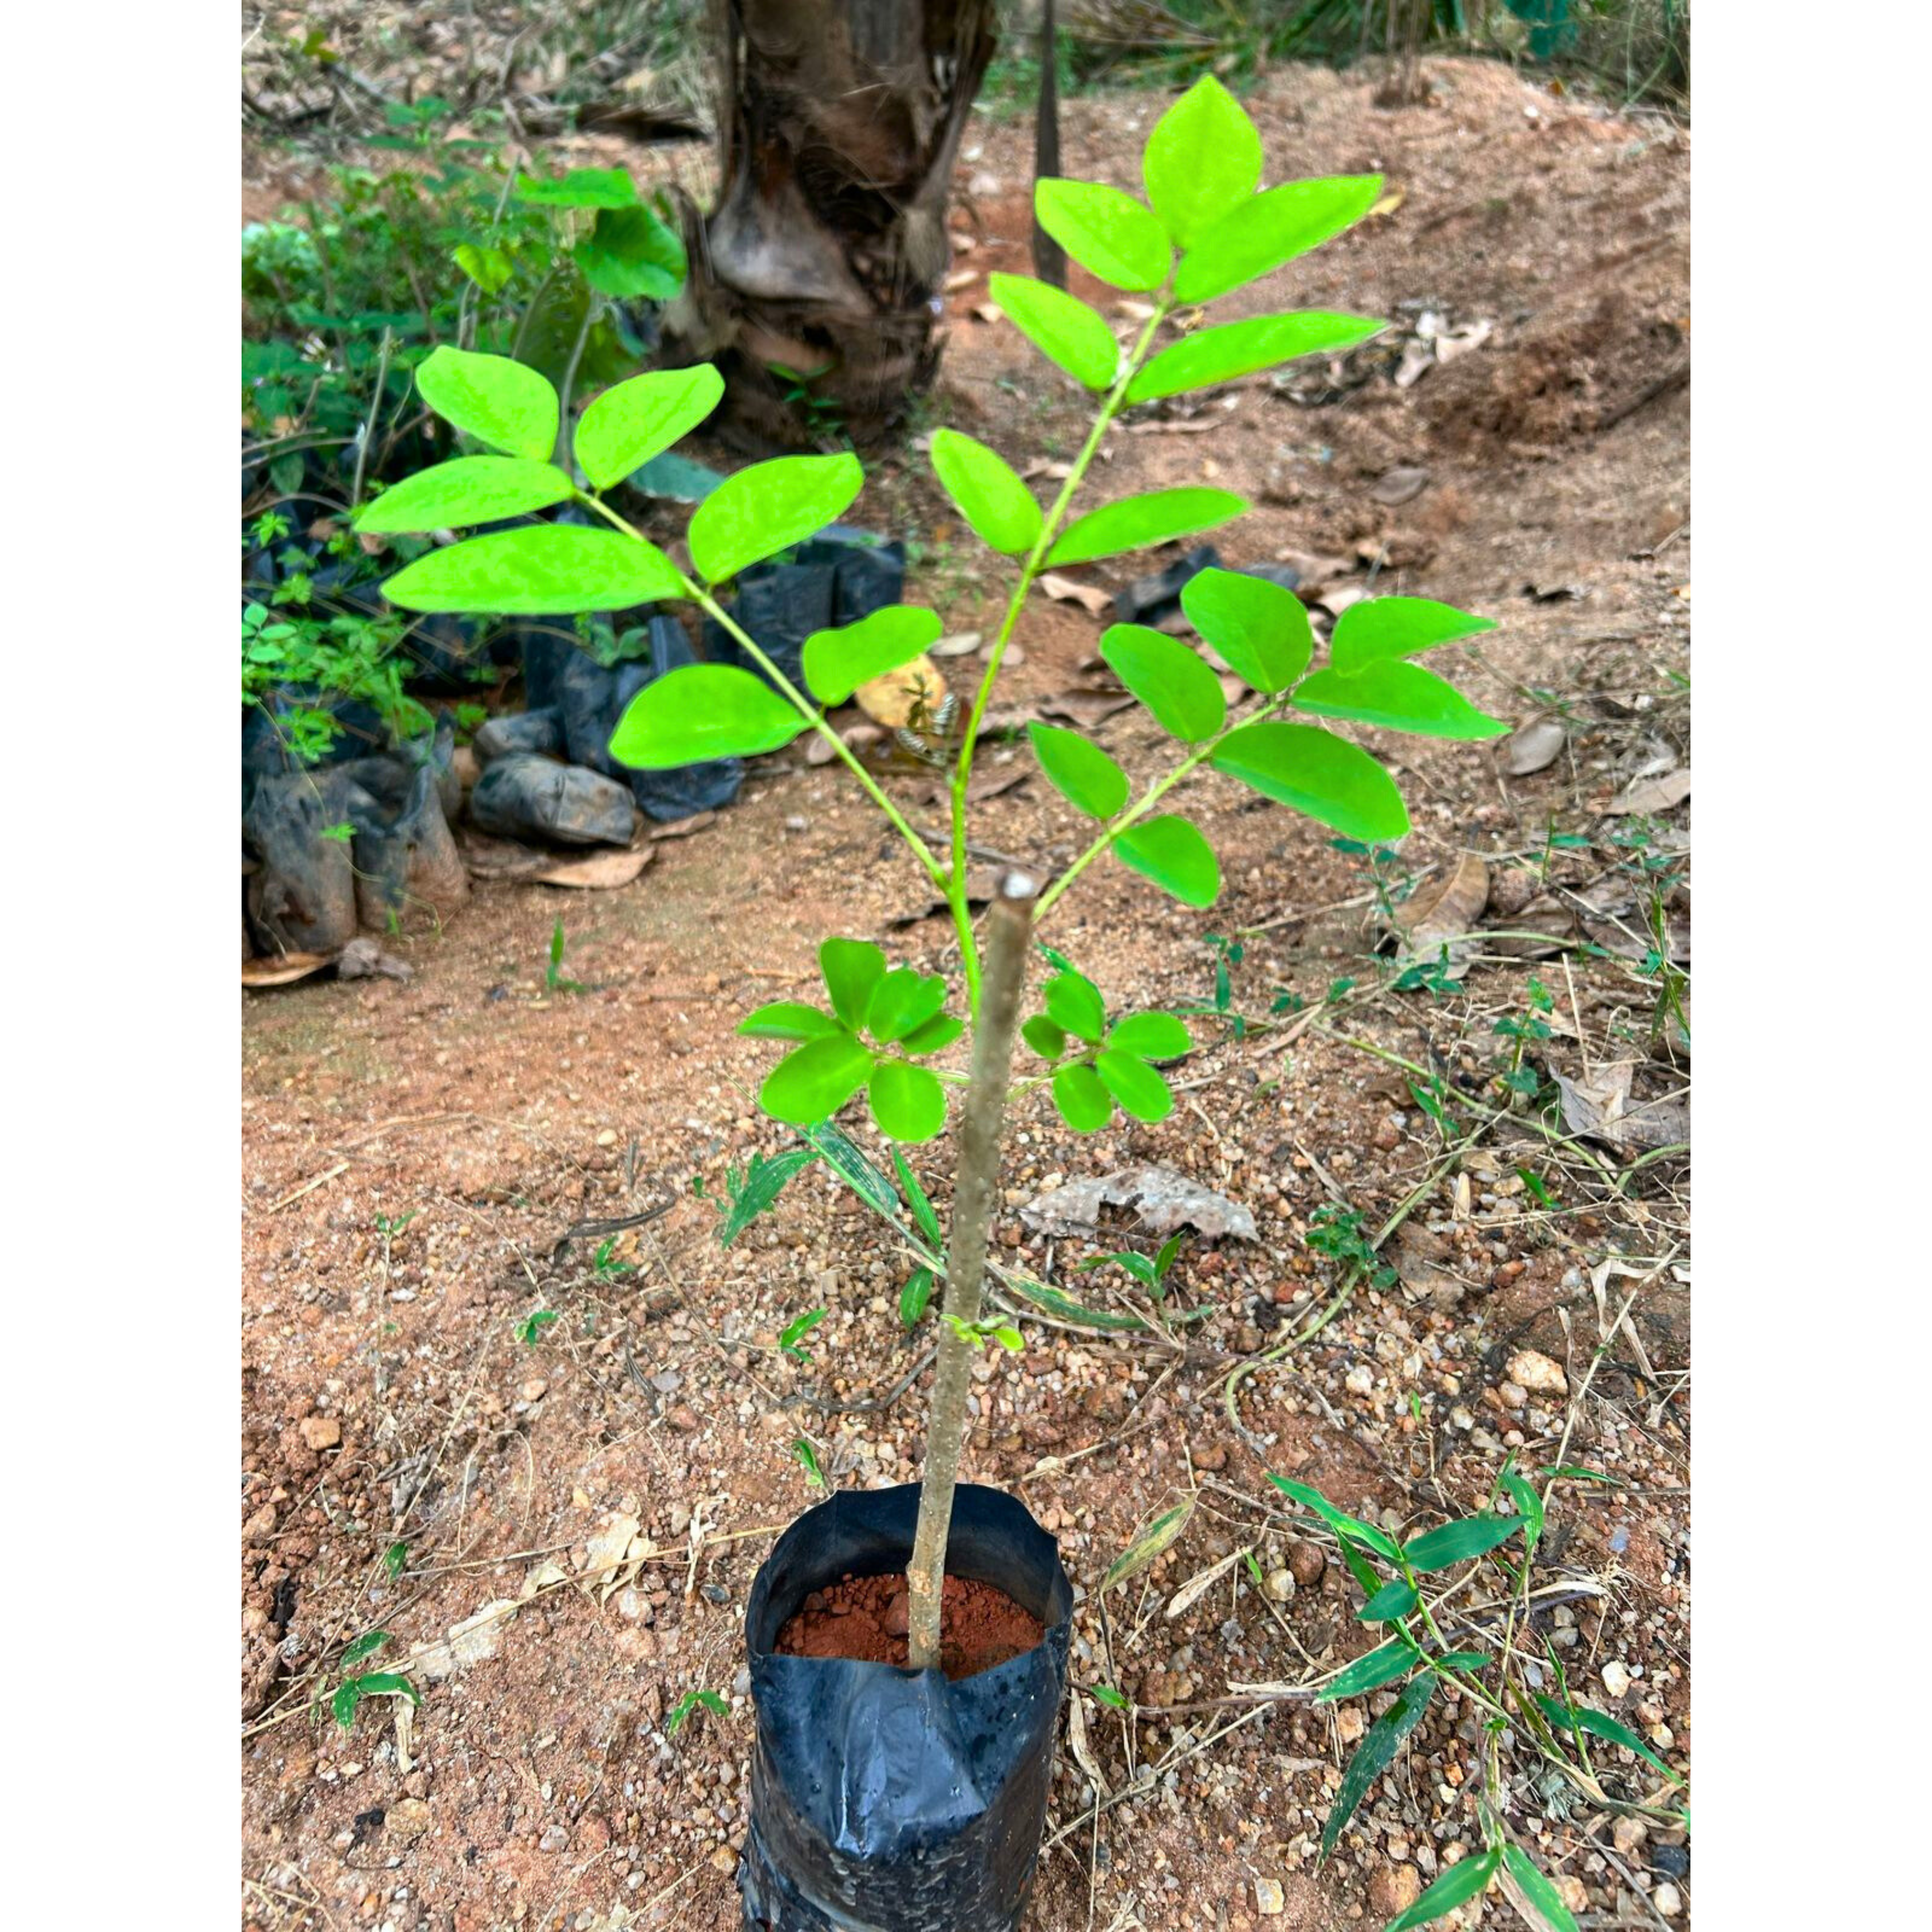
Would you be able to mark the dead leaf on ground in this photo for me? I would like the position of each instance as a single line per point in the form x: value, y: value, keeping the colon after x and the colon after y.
x: 283, y: 969
x: 1425, y: 1264
x: 960, y: 278
x: 1440, y: 917
x: 1599, y: 1108
x: 1091, y: 598
x: 1164, y: 1200
x: 1043, y: 466
x: 475, y: 1640
x: 488, y: 858
x: 1076, y: 1742
x: 362, y: 958
x: 1173, y: 426
x: 1086, y: 709
x: 1338, y: 599
x: 1649, y: 796
x: 608, y: 1553
x: 962, y: 644
x: 1544, y: 913
x: 681, y: 828
x: 1534, y: 747
x: 602, y: 872
x: 1402, y: 484
x: 1460, y: 341
x: 894, y: 699
x: 982, y: 883
x: 1148, y: 1544
x: 987, y: 311
x: 1191, y: 1592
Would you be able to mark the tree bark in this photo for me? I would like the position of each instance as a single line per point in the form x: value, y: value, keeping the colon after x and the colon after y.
x: 821, y: 269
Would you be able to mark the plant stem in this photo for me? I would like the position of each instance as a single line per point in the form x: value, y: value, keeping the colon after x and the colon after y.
x: 1009, y: 926
x: 962, y: 771
x: 800, y: 702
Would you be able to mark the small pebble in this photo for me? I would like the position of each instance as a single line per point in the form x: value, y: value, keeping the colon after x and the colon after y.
x: 1538, y: 1373
x: 1668, y: 1899
x: 1616, y: 1677
x: 1270, y: 1901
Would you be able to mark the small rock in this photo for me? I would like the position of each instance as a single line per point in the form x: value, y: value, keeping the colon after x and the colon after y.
x: 684, y: 1421
x: 409, y: 1818
x: 724, y: 1859
x: 1361, y: 1380
x: 554, y: 1840
x: 1349, y: 1724
x: 1281, y: 1585
x: 321, y: 1432
x: 1393, y: 1889
x: 608, y: 1137
x: 1671, y: 1861
x: 1616, y: 1677
x: 1535, y: 1372
x: 1626, y: 1834
x: 898, y: 1619
x: 1306, y: 1562
x: 534, y: 1390
x: 1270, y: 1901
x: 1668, y: 1899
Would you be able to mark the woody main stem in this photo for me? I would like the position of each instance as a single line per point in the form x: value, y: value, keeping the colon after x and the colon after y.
x: 1008, y: 927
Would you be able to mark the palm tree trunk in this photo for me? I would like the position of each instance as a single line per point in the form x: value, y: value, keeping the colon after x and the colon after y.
x: 820, y: 268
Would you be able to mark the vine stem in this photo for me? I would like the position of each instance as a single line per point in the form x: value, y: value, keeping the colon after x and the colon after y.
x: 1036, y: 559
x: 806, y: 709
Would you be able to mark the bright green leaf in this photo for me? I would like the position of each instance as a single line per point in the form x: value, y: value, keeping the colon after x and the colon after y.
x: 545, y: 570
x: 1260, y: 234
x: 1151, y: 1037
x: 1528, y: 1506
x: 468, y: 490
x: 1202, y: 160
x: 1155, y: 516
x: 1046, y: 1039
x: 581, y: 187
x: 935, y: 1035
x: 1374, y: 1754
x: 1259, y: 630
x: 1537, y: 1888
x: 632, y: 252
x: 630, y: 423
x: 1372, y: 1672
x: 902, y: 1003
x: 1172, y: 681
x: 1232, y: 349
x: 702, y: 711
x: 1085, y: 1103
x: 497, y: 400
x: 813, y: 1082
x: 1082, y: 774
x: 1347, y: 1528
x: 1399, y: 696
x: 908, y: 1102
x: 1581, y: 1718
x: 1171, y: 852
x: 787, y: 1019
x: 1453, y: 1543
x: 489, y: 268
x: 838, y: 661
x: 768, y: 508
x: 1075, y: 1004
x: 1109, y: 234
x: 1459, y: 1883
x: 1392, y: 1600
x: 914, y: 1296
x: 1140, y: 1091
x: 1318, y: 773
x: 921, y: 1207
x: 1061, y: 327
x: 367, y: 1645
x: 852, y: 969
x: 987, y: 490
x: 1397, y: 627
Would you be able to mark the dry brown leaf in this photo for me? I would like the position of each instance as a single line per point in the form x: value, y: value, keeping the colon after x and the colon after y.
x: 1387, y: 205
x: 1076, y: 1742
x: 1091, y: 597
x: 1338, y: 599
x: 893, y: 699
x: 1441, y: 915
x: 602, y: 872
x: 474, y: 1640
x: 1164, y: 1201
x: 1166, y: 426
x: 960, y: 278
x: 1191, y: 1592
x: 1599, y: 1108
x: 681, y: 828
x: 283, y: 969
x: 982, y: 883
x: 1654, y: 795
x: 1425, y: 1263
x: 362, y: 958
x: 608, y: 1553
x: 960, y: 644
x: 1043, y: 466
x: 1086, y: 709
x: 1401, y: 485
x: 1534, y: 747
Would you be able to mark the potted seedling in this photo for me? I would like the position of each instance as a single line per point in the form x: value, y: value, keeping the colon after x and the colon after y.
x: 907, y: 1788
